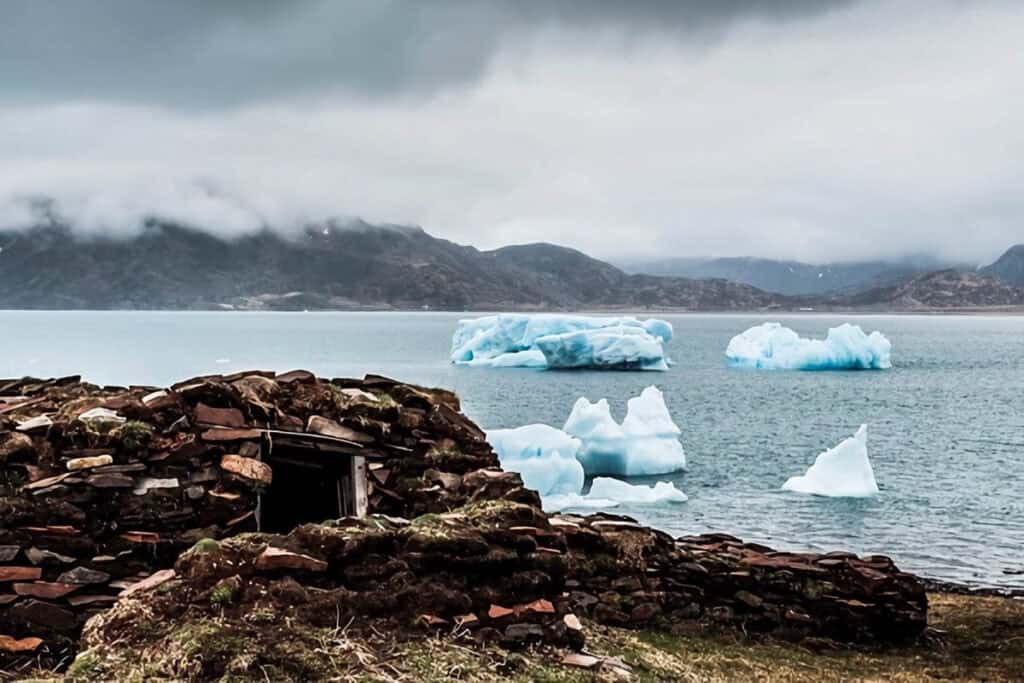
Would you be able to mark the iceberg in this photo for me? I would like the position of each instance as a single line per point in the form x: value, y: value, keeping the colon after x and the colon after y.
x: 545, y: 458
x: 773, y: 347
x: 646, y: 443
x: 843, y: 471
x: 561, y: 341
x: 606, y: 492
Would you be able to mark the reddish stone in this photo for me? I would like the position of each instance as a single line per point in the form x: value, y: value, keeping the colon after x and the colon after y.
x: 539, y: 607
x: 277, y: 558
x: 10, y: 644
x: 150, y: 582
x: 44, y: 590
x: 467, y: 620
x: 432, y: 620
x: 141, y: 537
x: 218, y: 435
x: 220, y: 417
x: 499, y: 612
x: 20, y: 574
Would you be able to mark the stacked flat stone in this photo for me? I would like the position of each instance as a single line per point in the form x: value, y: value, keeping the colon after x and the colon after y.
x: 101, y: 487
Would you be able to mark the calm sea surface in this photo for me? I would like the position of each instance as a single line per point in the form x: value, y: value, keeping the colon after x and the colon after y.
x: 946, y: 424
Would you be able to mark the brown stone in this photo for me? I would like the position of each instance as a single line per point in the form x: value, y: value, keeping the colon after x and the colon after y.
x: 467, y: 620
x: 248, y: 468
x: 10, y: 644
x: 91, y: 600
x: 9, y: 552
x: 219, y: 417
x: 20, y: 574
x: 13, y: 443
x: 46, y: 482
x: 44, y: 590
x: 644, y: 612
x: 7, y: 598
x: 111, y: 481
x: 219, y: 435
x: 295, y: 376
x: 150, y: 582
x: 749, y: 599
x: 273, y: 559
x: 432, y: 620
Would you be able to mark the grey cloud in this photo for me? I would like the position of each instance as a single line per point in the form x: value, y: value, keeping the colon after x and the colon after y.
x: 203, y: 54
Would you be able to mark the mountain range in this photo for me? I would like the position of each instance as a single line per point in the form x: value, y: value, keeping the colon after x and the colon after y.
x: 355, y: 265
x: 794, y: 278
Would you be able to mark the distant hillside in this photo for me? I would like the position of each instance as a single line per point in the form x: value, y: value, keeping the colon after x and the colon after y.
x: 1008, y: 267
x: 335, y: 266
x: 792, y: 278
x: 943, y: 289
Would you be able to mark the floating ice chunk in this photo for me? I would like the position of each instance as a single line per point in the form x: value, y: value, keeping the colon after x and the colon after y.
x: 618, y: 490
x: 615, y: 348
x: 843, y: 471
x: 543, y: 456
x: 773, y: 347
x: 646, y: 443
x: 561, y: 341
x: 577, y: 501
x: 606, y: 492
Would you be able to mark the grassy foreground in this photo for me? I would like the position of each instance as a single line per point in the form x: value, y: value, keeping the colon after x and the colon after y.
x: 971, y: 638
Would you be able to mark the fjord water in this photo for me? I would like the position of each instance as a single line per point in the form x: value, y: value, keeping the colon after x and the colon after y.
x: 945, y: 435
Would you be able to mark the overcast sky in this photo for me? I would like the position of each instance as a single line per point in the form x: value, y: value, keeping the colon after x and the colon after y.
x: 802, y: 129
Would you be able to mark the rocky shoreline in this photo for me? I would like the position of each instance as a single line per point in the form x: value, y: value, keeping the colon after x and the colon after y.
x: 131, y: 512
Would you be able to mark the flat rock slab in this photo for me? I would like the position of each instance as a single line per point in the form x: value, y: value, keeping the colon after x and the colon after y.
x: 248, y: 468
x: 221, y: 435
x: 150, y: 582
x: 219, y: 417
x: 20, y: 574
x: 277, y: 558
x: 10, y: 644
x: 45, y: 590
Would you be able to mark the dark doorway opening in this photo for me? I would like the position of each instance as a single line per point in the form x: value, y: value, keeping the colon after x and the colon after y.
x: 312, y: 482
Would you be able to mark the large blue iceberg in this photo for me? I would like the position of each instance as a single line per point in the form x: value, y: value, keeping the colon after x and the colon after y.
x: 561, y: 341
x: 773, y: 347
x: 554, y: 462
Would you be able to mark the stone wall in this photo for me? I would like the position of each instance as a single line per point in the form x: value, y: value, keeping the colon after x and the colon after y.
x: 102, y: 486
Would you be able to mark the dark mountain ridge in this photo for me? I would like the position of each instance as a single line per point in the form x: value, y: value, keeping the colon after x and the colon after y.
x: 793, y: 278
x: 1009, y: 267
x: 334, y: 266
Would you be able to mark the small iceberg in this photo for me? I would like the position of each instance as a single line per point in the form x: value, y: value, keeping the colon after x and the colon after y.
x: 646, y: 443
x: 606, y: 492
x: 842, y: 472
x: 561, y: 342
x: 545, y: 458
x: 555, y: 462
x: 773, y: 347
